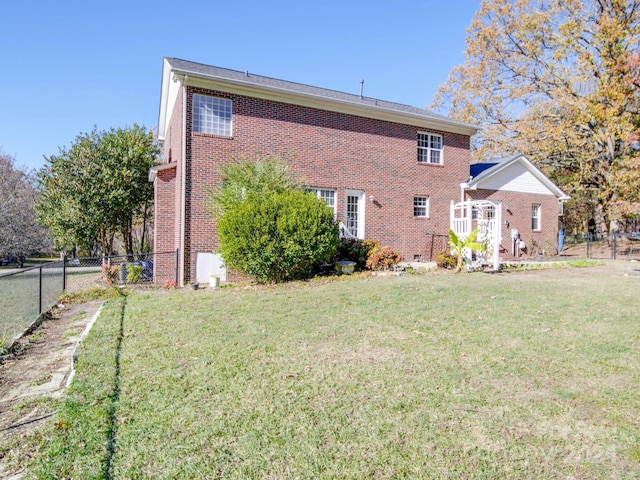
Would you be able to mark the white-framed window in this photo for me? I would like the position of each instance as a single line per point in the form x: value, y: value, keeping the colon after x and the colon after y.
x: 429, y: 148
x: 420, y: 206
x: 535, y: 217
x: 491, y: 212
x: 212, y: 115
x: 328, y: 195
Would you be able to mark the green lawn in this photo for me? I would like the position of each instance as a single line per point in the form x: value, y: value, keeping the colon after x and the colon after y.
x: 501, y: 376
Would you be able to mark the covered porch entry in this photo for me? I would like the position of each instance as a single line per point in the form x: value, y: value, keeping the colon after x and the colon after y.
x: 486, y: 216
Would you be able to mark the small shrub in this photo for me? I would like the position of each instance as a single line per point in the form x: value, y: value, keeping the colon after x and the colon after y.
x: 444, y: 259
x: 355, y: 250
x: 368, y: 254
x: 134, y: 272
x: 382, y: 258
x: 169, y: 285
x: 110, y: 273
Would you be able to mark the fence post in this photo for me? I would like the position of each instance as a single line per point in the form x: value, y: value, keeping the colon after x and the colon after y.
x: 40, y: 291
x: 433, y: 237
x: 589, y: 245
x: 177, y: 264
x: 615, y: 235
x: 64, y: 272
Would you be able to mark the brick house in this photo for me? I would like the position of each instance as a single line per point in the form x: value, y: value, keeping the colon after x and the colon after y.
x: 388, y: 171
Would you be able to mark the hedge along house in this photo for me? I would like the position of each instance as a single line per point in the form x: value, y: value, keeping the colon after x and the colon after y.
x: 388, y: 171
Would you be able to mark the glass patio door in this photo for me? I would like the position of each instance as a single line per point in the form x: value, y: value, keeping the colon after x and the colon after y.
x: 354, y: 213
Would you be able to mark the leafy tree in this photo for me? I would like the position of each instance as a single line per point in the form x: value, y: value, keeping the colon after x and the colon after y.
x: 278, y: 235
x: 244, y: 177
x: 99, y: 188
x: 557, y: 80
x: 20, y: 233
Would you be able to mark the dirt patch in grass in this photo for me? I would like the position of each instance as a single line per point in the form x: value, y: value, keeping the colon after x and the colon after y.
x: 35, y: 375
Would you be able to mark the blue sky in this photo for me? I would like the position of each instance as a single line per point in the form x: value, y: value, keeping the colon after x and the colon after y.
x: 70, y: 65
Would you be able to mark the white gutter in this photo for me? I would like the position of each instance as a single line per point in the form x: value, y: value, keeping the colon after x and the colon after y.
x: 183, y: 199
x: 153, y: 171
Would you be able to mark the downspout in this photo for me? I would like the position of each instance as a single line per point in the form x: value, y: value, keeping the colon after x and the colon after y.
x: 183, y: 200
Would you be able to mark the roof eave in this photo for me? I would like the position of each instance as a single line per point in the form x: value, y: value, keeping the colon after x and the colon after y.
x: 316, y: 101
x: 475, y: 182
x: 153, y: 171
x: 164, y: 98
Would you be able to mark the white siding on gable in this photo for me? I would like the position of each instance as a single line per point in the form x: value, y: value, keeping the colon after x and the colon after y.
x: 515, y: 178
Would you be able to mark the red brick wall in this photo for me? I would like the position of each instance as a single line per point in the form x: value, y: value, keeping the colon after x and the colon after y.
x: 519, y: 216
x: 164, y: 231
x: 167, y: 211
x: 329, y: 150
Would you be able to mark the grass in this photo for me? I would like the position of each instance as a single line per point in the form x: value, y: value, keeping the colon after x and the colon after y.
x: 20, y: 298
x: 517, y: 375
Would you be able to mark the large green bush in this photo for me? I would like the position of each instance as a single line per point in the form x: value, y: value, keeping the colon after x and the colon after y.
x: 277, y: 236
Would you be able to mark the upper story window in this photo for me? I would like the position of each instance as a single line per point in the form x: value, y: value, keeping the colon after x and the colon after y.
x: 420, y: 206
x: 212, y: 115
x: 429, y: 148
x: 535, y: 217
x: 329, y: 197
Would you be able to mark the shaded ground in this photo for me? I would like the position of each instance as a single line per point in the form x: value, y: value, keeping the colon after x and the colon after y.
x: 37, y: 373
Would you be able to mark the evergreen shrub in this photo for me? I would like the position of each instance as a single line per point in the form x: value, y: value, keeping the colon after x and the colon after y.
x: 277, y: 236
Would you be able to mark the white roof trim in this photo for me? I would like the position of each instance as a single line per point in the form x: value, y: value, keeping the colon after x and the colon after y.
x: 153, y: 171
x: 473, y: 184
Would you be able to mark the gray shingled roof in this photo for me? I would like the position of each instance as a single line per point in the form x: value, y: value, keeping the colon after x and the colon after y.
x: 208, y: 71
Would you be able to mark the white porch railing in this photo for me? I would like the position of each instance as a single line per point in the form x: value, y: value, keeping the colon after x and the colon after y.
x: 462, y: 222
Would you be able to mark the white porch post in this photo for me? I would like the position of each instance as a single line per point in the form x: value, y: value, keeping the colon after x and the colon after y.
x: 452, y: 216
x: 497, y: 237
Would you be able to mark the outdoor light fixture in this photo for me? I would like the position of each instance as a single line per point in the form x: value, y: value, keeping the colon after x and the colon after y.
x: 372, y: 198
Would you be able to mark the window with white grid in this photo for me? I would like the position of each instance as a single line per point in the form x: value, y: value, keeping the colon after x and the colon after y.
x: 212, y: 115
x: 420, y: 206
x: 429, y: 148
x: 329, y: 197
x: 535, y: 217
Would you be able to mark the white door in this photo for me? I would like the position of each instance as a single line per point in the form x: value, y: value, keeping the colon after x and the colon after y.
x: 354, y: 212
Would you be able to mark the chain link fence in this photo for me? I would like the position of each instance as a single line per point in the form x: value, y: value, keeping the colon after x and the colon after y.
x: 621, y: 246
x: 139, y: 269
x: 26, y: 294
